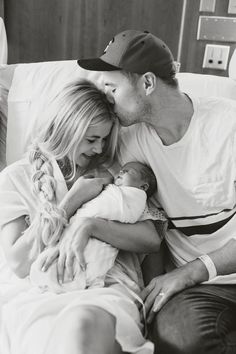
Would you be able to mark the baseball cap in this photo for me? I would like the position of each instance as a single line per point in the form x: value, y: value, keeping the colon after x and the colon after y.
x: 136, y: 52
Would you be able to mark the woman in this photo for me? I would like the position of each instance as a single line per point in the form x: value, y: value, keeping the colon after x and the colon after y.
x: 38, y: 195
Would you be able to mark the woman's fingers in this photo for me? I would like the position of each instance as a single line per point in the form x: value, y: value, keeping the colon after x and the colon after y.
x: 61, y: 267
x: 69, y: 265
x: 50, y: 256
x: 80, y: 259
x: 105, y: 180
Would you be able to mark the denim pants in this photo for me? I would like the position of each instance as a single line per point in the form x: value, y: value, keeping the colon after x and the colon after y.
x: 199, y: 320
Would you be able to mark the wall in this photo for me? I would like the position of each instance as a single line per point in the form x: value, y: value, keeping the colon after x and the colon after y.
x: 193, y: 50
x: 41, y: 30
x: 2, y: 8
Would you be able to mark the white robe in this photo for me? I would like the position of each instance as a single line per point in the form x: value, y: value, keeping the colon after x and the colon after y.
x: 29, y: 315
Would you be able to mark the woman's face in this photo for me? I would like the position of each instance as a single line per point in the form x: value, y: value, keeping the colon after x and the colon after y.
x: 93, y: 142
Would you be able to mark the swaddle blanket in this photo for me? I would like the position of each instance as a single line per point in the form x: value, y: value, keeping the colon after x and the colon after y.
x: 120, y: 203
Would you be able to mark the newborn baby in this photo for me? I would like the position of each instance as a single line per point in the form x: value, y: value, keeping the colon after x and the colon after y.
x: 123, y: 201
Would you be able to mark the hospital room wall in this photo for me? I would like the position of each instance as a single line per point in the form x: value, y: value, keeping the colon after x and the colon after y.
x: 2, y: 8
x: 40, y: 30
x: 44, y: 30
x: 192, y: 49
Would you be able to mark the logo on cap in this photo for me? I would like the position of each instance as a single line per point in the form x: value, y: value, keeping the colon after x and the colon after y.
x: 111, y: 41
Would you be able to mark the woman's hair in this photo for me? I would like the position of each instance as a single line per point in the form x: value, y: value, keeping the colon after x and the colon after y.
x: 77, y: 107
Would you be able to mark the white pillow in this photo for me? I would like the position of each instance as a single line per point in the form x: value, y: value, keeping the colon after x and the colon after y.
x: 6, y: 75
x: 207, y: 85
x: 32, y: 88
x: 232, y: 66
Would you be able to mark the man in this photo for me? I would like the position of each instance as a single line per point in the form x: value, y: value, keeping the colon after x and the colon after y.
x: 190, y: 145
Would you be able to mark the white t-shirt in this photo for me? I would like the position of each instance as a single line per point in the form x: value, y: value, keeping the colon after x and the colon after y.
x: 195, y: 178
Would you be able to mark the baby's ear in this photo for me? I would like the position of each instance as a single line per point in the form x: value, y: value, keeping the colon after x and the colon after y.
x: 144, y: 186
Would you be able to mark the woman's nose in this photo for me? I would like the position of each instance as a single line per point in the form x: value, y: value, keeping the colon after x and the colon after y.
x: 110, y: 97
x: 98, y: 147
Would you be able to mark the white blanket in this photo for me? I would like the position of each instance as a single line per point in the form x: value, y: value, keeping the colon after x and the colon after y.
x: 124, y: 204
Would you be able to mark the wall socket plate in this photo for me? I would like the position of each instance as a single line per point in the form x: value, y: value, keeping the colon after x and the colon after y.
x: 216, y: 56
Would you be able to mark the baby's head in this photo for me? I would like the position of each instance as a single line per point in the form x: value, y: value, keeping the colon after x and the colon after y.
x: 139, y: 175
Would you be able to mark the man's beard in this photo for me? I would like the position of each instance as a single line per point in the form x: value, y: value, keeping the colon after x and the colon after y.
x: 143, y: 113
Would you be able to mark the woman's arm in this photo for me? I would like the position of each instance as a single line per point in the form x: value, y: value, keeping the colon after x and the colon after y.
x: 186, y: 276
x: 17, y: 246
x: 83, y: 190
x: 140, y: 237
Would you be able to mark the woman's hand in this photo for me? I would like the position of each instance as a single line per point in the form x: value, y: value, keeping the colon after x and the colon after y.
x: 84, y: 189
x: 48, y: 256
x: 72, y: 248
x: 163, y: 287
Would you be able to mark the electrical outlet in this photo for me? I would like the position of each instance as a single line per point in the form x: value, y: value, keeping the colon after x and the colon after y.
x: 216, y: 56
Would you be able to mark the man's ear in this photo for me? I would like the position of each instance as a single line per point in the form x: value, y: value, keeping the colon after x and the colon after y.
x: 149, y: 82
x: 144, y: 186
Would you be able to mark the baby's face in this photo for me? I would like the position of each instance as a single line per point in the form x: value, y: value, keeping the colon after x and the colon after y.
x: 130, y: 175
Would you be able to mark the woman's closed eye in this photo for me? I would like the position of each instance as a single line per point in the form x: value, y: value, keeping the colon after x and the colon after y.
x: 91, y: 141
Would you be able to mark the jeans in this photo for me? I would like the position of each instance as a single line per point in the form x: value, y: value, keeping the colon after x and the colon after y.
x: 198, y: 320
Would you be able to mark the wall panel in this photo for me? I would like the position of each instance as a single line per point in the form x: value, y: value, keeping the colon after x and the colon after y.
x: 2, y: 8
x: 193, y: 49
x: 41, y: 30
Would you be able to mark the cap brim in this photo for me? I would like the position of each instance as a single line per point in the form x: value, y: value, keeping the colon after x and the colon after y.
x: 96, y: 64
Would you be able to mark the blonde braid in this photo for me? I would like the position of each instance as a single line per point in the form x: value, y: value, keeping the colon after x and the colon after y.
x: 50, y: 220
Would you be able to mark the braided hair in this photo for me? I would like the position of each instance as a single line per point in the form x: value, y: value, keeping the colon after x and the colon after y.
x: 80, y: 105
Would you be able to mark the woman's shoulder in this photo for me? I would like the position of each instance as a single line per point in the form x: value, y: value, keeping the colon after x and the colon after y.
x: 16, y: 169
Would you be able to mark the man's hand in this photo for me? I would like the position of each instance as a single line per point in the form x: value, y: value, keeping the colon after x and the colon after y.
x: 163, y: 287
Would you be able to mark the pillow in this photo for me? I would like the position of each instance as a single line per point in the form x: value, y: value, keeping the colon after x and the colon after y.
x: 207, y: 85
x: 232, y: 66
x: 33, y: 86
x: 6, y: 75
x: 3, y: 126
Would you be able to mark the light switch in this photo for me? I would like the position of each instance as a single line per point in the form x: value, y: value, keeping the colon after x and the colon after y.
x: 207, y: 5
x: 232, y: 7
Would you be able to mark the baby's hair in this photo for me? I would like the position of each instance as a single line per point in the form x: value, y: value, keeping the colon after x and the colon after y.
x: 78, y: 106
x: 148, y: 176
